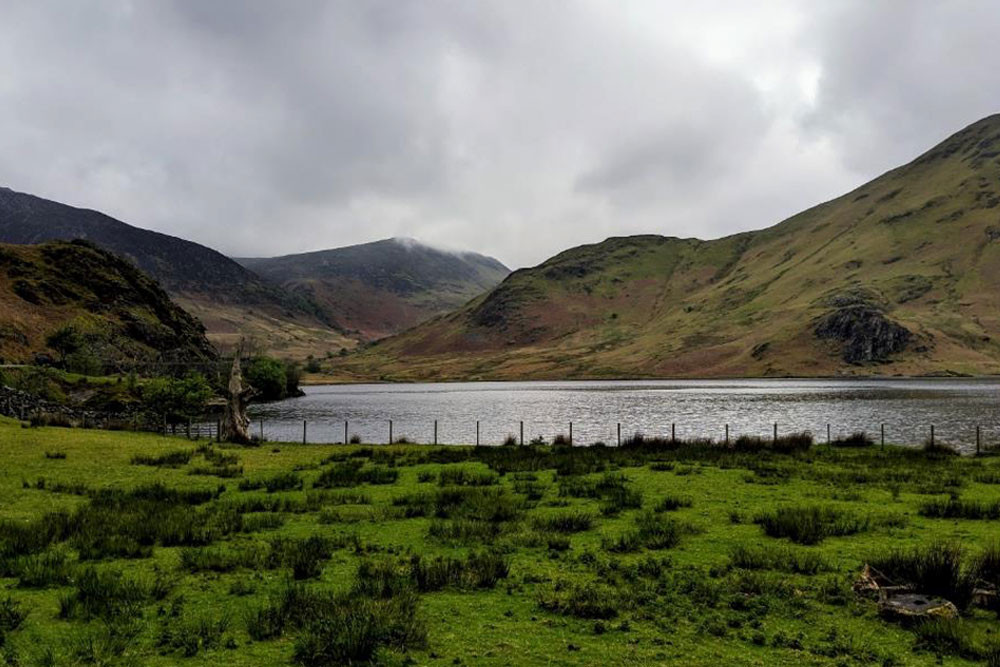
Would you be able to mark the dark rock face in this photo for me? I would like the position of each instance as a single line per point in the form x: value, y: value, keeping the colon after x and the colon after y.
x: 866, y: 333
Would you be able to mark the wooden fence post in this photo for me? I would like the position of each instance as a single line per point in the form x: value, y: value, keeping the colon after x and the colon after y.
x: 932, y: 435
x: 303, y: 431
x: 828, y: 441
x: 775, y: 432
x: 345, y: 431
x: 571, y: 433
x: 673, y: 433
x: 390, y: 431
x: 522, y: 433
x: 727, y: 434
x: 978, y: 439
x: 883, y: 436
x: 619, y: 434
x: 435, y: 431
x: 477, y: 433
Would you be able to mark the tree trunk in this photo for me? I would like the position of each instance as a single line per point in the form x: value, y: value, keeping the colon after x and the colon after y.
x: 235, y: 423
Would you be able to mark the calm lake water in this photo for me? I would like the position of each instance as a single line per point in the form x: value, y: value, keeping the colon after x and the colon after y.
x: 698, y: 408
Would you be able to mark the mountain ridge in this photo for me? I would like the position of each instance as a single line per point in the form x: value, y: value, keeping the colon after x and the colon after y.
x: 827, y: 291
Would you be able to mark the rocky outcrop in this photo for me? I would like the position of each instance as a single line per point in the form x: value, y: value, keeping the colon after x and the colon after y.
x: 865, y: 333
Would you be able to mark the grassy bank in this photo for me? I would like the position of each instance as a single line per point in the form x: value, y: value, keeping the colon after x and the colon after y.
x: 121, y: 548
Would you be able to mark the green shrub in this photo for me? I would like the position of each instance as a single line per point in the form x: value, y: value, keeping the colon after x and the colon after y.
x: 268, y: 376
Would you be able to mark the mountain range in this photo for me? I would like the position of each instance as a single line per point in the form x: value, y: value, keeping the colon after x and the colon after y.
x: 315, y: 303
x: 899, y: 276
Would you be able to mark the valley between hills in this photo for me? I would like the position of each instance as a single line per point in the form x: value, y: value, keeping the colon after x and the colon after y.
x: 900, y: 276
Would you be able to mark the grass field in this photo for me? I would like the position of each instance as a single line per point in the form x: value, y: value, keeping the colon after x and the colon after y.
x: 121, y: 548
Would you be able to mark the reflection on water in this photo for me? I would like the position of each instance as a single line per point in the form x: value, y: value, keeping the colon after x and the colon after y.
x: 698, y: 408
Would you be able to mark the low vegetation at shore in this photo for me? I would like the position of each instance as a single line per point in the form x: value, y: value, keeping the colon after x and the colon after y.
x: 125, y: 548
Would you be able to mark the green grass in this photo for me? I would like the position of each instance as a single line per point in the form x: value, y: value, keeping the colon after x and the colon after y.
x: 666, y: 553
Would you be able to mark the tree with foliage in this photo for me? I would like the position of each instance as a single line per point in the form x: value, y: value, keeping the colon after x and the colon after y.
x: 268, y: 377
x: 65, y: 340
x: 177, y: 398
x: 293, y: 375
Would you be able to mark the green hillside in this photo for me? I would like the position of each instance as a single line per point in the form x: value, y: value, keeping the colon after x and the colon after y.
x: 107, y: 308
x: 900, y: 276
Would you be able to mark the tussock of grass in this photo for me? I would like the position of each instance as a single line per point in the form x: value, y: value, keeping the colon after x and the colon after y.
x: 613, y: 490
x: 339, y: 629
x: 589, y: 600
x: 957, y: 508
x: 174, y: 459
x: 41, y: 570
x: 672, y: 503
x: 941, y: 568
x: 190, y: 636
x: 287, y: 481
x: 811, y: 524
x: 565, y: 522
x: 466, y: 477
x: 108, y: 595
x: 782, y: 559
x: 466, y: 531
x: 222, y: 471
x: 353, y: 473
x: 12, y: 614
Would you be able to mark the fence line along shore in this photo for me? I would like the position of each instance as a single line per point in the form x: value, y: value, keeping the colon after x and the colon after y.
x: 195, y: 430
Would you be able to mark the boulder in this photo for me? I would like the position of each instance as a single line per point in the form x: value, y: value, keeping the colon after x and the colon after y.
x: 908, y: 607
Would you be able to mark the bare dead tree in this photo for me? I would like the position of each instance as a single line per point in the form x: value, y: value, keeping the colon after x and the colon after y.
x: 236, y: 423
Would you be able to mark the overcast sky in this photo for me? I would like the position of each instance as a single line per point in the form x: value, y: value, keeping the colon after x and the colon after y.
x: 516, y: 128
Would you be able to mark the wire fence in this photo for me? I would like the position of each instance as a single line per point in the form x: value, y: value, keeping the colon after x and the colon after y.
x: 330, y: 431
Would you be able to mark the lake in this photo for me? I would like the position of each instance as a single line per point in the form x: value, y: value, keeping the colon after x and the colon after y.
x: 694, y: 408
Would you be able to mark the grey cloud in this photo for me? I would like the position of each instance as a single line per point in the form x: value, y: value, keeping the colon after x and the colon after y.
x: 512, y: 128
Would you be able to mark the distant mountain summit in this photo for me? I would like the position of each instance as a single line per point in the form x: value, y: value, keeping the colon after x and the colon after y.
x: 383, y: 287
x: 900, y: 276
